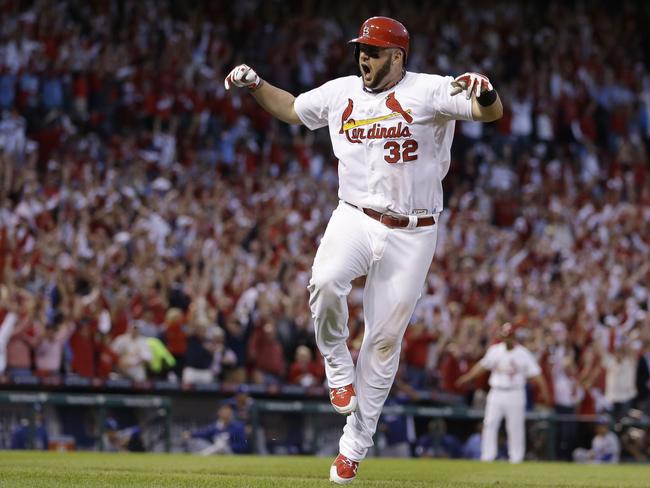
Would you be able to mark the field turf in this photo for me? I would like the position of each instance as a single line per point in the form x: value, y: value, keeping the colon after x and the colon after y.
x: 89, y: 470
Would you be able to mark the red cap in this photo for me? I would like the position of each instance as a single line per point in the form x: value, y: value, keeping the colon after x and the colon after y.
x: 383, y: 32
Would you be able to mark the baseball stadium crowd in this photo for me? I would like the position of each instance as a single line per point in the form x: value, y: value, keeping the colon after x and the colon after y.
x: 154, y: 226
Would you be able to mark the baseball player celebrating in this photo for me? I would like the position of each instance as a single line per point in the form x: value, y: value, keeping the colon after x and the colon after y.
x: 391, y: 131
x: 511, y: 365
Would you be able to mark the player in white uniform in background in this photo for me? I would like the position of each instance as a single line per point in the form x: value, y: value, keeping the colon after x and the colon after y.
x: 391, y: 131
x: 511, y: 366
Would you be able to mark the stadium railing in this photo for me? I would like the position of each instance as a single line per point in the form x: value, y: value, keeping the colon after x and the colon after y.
x: 290, y: 408
x: 101, y: 402
x: 549, y: 419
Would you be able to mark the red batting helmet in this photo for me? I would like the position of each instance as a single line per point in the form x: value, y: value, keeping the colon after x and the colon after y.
x: 383, y: 32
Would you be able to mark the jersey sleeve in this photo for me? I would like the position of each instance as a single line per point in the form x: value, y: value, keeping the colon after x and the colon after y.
x: 312, y: 108
x: 447, y: 106
x: 489, y: 360
x: 532, y: 367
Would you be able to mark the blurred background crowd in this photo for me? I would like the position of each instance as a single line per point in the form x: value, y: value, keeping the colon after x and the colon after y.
x: 153, y: 226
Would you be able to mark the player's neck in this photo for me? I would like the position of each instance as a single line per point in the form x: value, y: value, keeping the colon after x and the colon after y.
x: 389, y: 84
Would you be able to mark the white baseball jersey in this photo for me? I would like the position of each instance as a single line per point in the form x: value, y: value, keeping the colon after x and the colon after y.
x: 620, y: 380
x: 509, y: 368
x: 393, y: 147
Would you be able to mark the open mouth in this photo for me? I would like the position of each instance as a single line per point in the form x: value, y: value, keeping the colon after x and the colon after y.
x: 365, y: 69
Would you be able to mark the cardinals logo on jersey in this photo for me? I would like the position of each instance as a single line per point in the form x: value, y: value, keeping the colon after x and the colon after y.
x: 394, y: 105
x: 356, y: 130
x: 346, y: 114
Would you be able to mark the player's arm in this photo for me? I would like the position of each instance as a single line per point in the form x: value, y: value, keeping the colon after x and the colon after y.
x: 490, y: 113
x: 274, y: 100
x: 486, y: 103
x: 473, y: 373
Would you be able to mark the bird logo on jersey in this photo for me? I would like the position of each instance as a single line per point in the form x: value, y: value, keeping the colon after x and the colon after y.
x: 396, y: 107
x: 355, y: 130
x: 346, y: 113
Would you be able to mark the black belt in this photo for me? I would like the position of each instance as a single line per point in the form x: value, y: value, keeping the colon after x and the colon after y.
x: 395, y: 221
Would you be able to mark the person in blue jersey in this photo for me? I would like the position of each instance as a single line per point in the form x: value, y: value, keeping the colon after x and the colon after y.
x: 225, y: 436
x: 20, y: 435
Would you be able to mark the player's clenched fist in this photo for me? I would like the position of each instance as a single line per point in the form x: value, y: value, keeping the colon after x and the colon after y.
x: 243, y: 76
x: 471, y: 82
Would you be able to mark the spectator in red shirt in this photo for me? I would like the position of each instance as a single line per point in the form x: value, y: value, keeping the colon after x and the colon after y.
x: 305, y: 370
x: 416, y: 351
x: 455, y: 363
x: 84, y: 312
x: 84, y: 348
x: 107, y: 360
x: 265, y: 355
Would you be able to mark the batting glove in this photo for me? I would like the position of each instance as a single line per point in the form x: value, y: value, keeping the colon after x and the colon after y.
x: 243, y: 76
x: 472, y: 82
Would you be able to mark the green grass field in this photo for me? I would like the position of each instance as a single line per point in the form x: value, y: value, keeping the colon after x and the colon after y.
x: 89, y: 470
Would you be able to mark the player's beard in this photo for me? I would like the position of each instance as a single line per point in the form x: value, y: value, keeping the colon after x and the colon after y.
x: 381, y: 75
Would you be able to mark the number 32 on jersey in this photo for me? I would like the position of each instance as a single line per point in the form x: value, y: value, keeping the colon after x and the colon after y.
x: 400, y: 151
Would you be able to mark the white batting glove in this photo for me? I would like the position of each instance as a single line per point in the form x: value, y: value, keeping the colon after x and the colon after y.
x: 243, y: 76
x: 472, y: 82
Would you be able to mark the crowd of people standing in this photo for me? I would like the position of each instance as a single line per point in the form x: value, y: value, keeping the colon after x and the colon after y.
x: 153, y: 226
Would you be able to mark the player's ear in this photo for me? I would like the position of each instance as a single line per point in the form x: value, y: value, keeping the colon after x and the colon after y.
x: 398, y: 56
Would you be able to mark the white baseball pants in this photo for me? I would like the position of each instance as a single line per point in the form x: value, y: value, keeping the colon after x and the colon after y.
x: 510, y: 404
x: 6, y: 330
x: 396, y: 262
